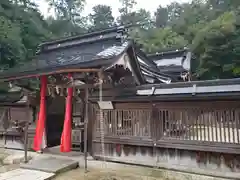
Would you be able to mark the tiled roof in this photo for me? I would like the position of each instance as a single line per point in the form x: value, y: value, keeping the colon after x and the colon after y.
x: 192, y: 84
x: 94, y: 50
x: 172, y: 61
x: 112, y: 51
x: 83, y: 52
x: 193, y: 88
x: 150, y: 70
x: 10, y: 97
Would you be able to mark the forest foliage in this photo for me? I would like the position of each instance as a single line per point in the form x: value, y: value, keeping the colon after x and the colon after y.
x: 210, y: 28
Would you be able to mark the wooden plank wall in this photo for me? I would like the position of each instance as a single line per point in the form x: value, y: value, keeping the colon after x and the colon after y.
x: 206, y: 126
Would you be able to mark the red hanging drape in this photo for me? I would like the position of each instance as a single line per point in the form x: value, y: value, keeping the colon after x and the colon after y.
x: 41, y: 116
x: 66, y: 139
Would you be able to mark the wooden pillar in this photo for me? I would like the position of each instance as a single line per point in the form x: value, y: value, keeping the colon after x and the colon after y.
x: 26, y: 132
x: 66, y: 138
x: 86, y: 127
x: 40, y: 127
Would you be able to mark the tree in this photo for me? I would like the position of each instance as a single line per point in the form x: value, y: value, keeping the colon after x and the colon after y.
x: 126, y: 13
x: 34, y: 30
x: 69, y: 13
x: 63, y: 28
x: 127, y: 6
x: 141, y: 18
x: 67, y: 9
x: 11, y: 50
x: 174, y: 11
x: 161, y: 17
x: 22, y: 29
x: 159, y: 39
x: 222, y: 5
x: 102, y: 17
x: 216, y: 48
x: 187, y: 15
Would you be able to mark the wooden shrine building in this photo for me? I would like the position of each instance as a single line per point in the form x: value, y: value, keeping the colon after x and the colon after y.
x: 101, y: 86
x: 105, y: 59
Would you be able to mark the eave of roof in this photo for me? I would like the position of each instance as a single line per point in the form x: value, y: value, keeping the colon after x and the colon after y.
x: 94, y: 64
x: 169, y: 62
x: 10, y: 97
x: 85, y: 38
x: 231, y: 96
x: 169, y: 54
x: 146, y: 60
x: 150, y: 70
x: 158, y: 76
x: 171, y: 69
x: 193, y: 88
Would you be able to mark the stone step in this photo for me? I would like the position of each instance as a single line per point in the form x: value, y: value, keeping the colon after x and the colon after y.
x: 20, y: 174
x: 51, y: 165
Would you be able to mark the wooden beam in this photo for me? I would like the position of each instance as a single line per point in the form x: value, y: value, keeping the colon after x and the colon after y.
x: 49, y: 73
x: 81, y: 87
x: 84, y: 86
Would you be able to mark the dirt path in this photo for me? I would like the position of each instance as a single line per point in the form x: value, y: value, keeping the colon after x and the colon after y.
x: 96, y: 174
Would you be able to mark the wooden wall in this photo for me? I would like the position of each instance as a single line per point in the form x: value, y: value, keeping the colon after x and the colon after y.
x: 203, y: 127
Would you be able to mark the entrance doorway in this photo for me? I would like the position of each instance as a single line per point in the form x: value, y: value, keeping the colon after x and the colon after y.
x: 54, y: 128
x: 55, y: 120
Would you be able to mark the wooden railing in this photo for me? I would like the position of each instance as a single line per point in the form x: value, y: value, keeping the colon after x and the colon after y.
x: 125, y: 123
x: 183, y: 127
x: 203, y: 125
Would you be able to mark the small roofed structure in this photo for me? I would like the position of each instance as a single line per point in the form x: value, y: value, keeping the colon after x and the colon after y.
x: 175, y: 63
x: 16, y: 110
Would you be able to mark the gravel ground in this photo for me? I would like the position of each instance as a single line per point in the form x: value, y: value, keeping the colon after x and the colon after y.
x: 6, y: 168
x: 96, y: 174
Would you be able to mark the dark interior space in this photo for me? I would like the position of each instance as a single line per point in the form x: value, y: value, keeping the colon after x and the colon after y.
x: 55, y: 120
x: 54, y: 128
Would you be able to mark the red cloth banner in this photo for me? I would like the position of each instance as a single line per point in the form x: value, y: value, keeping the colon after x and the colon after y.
x: 66, y: 139
x: 41, y: 116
